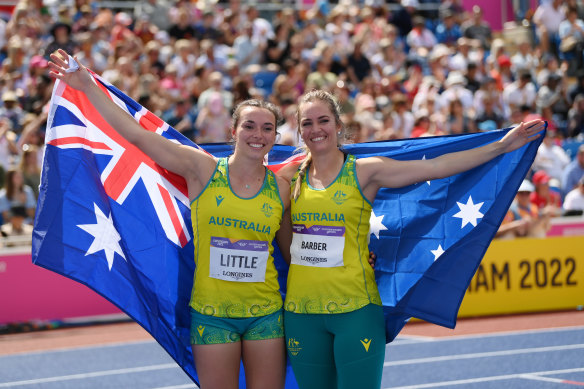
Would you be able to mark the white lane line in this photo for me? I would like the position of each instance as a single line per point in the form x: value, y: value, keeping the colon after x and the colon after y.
x: 483, y: 379
x: 89, y: 375
x: 484, y: 355
x: 413, y: 338
x: 186, y: 386
x: 536, y: 377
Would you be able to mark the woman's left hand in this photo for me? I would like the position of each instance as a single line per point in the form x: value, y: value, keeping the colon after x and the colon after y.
x: 522, y: 134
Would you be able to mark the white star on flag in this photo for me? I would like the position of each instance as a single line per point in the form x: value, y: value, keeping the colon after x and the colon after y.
x: 438, y: 252
x: 376, y: 225
x: 469, y: 212
x: 105, y: 236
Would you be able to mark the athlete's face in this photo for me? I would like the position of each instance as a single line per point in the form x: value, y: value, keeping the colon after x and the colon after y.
x: 255, y: 132
x: 318, y: 126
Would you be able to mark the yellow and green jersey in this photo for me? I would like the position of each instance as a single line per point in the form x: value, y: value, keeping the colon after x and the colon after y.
x: 235, y: 274
x: 329, y: 271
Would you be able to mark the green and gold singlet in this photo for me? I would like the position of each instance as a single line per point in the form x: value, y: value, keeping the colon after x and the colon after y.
x: 235, y: 274
x: 330, y: 272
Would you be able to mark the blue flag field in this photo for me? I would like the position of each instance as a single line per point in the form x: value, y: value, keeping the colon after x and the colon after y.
x: 110, y: 218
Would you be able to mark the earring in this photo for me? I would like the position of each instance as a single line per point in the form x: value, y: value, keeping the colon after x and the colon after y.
x: 339, y: 133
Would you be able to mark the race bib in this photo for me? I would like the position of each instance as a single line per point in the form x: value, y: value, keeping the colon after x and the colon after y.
x: 240, y: 260
x: 319, y: 246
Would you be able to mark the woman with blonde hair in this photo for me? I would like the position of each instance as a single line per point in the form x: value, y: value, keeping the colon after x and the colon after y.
x: 335, y: 330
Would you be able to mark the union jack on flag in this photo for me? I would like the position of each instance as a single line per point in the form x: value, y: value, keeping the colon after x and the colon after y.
x: 110, y: 218
x: 128, y: 164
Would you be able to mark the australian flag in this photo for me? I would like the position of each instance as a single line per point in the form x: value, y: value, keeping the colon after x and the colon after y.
x: 110, y: 218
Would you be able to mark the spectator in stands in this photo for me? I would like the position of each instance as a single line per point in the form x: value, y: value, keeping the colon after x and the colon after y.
x: 403, y: 119
x: 61, y: 39
x: 573, y: 172
x: 550, y: 157
x: 571, y: 35
x: 262, y: 29
x: 422, y: 124
x: 205, y: 28
x: 420, y: 36
x: 358, y: 65
x: 477, y: 28
x: 574, y: 201
x: 553, y: 95
x: 471, y: 75
x: 182, y: 28
x: 12, y: 110
x: 388, y: 61
x: 524, y: 58
x: 184, y: 59
x: 547, y: 18
x: 89, y: 57
x: 578, y: 87
x: 448, y: 31
x: 502, y: 73
x: 337, y: 30
x: 156, y: 11
x: 488, y: 90
x: 30, y: 168
x: 247, y: 50
x: 546, y: 200
x: 576, y: 117
x: 16, y: 226
x: 16, y: 193
x: 458, y: 120
x: 455, y: 90
x: 322, y: 77
x: 182, y: 119
x: 488, y: 119
x: 121, y: 30
x: 213, y: 121
x: 521, y: 92
x: 216, y: 85
x: 8, y: 149
x: 523, y: 218
x: 402, y: 17
x: 550, y: 65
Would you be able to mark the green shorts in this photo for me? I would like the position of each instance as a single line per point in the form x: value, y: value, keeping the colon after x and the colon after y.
x: 206, y: 329
x: 339, y: 350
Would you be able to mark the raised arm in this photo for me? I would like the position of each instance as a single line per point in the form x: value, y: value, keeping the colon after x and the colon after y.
x: 192, y: 164
x: 380, y: 172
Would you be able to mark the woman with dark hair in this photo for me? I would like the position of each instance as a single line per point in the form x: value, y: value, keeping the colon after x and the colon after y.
x: 237, y: 205
x: 16, y: 193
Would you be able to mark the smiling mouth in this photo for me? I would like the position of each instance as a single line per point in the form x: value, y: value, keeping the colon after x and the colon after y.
x: 256, y: 145
x: 318, y: 138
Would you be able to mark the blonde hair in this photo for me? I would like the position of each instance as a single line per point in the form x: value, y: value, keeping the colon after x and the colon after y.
x: 330, y: 100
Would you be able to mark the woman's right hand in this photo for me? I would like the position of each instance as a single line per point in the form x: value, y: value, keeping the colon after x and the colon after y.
x: 59, y: 65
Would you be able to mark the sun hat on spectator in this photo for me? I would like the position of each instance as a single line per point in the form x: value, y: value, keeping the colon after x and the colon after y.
x: 123, y: 18
x: 9, y: 96
x: 503, y: 60
x: 410, y: 3
x: 526, y: 186
x: 59, y: 25
x: 454, y: 78
x: 540, y: 177
x: 38, y: 61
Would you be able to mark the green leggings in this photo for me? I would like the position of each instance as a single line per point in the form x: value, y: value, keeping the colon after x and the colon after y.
x: 344, y: 350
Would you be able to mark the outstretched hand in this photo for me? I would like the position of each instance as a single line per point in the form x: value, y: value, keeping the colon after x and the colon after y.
x: 59, y: 66
x: 522, y: 134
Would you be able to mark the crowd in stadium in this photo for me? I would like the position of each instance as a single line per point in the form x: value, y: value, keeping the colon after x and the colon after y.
x: 399, y: 70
